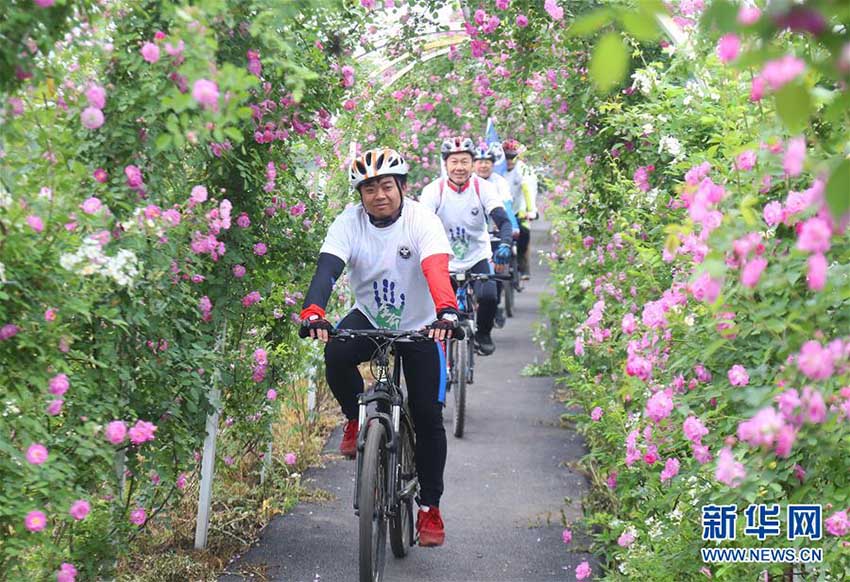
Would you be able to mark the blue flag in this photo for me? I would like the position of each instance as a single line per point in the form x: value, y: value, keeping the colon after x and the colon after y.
x: 491, y: 136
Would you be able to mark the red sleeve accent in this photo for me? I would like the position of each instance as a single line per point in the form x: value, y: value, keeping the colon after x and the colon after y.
x: 436, y: 271
x: 312, y: 309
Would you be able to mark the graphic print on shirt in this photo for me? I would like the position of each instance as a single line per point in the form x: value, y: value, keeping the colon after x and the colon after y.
x: 386, y: 313
x: 459, y: 239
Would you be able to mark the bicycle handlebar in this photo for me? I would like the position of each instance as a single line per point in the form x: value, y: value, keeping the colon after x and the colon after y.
x: 419, y: 335
x: 479, y: 277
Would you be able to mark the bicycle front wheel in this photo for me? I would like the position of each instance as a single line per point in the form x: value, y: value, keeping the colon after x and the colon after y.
x: 459, y: 388
x: 372, y: 505
x: 401, y: 524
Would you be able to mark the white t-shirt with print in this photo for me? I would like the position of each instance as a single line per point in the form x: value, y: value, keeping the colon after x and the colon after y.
x: 464, y: 216
x: 384, y: 264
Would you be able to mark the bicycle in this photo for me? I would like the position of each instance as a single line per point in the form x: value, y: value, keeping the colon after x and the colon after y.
x: 513, y: 284
x: 460, y: 349
x: 386, y: 482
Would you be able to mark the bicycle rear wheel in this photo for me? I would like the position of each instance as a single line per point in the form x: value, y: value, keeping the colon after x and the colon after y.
x: 372, y: 502
x: 459, y: 388
x: 401, y: 524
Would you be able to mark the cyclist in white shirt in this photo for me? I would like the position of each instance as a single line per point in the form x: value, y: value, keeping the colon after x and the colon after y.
x: 485, y: 158
x: 523, y: 184
x: 463, y: 202
x: 397, y: 256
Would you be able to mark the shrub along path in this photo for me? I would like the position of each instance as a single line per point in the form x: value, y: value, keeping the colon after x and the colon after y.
x: 505, y: 485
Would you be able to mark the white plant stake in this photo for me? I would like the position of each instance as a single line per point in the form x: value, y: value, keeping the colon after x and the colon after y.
x: 202, y: 522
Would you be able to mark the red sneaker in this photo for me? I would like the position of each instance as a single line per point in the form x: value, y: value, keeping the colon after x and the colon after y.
x: 348, y: 446
x: 429, y: 525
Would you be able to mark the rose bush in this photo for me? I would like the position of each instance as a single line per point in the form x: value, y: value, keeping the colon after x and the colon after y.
x: 149, y: 151
x: 700, y: 267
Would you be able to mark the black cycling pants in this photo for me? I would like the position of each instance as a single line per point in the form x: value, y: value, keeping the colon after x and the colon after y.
x: 487, y: 295
x: 522, y: 244
x: 424, y: 367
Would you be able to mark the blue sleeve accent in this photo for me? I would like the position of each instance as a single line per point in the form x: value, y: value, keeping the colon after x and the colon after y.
x: 509, y: 208
x: 442, y: 356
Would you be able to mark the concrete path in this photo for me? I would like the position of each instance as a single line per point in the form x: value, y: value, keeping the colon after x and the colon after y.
x: 505, y: 485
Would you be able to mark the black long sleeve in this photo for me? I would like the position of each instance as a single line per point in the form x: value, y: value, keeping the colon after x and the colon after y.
x: 503, y: 223
x: 328, y: 270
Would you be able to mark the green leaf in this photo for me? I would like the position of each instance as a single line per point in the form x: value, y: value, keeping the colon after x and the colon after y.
x: 610, y: 62
x: 163, y: 142
x: 794, y: 105
x: 589, y: 23
x: 838, y: 189
x: 640, y: 25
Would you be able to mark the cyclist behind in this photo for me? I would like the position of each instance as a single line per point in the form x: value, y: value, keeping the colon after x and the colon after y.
x: 485, y: 158
x: 398, y: 261
x: 463, y: 202
x: 523, y: 184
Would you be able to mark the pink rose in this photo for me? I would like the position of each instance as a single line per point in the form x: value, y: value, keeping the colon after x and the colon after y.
x: 35, y: 521
x: 91, y: 205
x: 816, y: 273
x: 815, y: 235
x: 138, y: 516
x: 694, y: 429
x: 751, y: 273
x: 728, y: 48
x: 80, y: 509
x: 671, y: 469
x: 745, y: 161
x: 738, y: 376
x: 36, y: 454
x: 773, y: 213
x: 795, y: 155
x: 150, y: 52
x: 205, y: 92
x: 729, y: 471
x: 59, y: 384
x: 554, y: 10
x: 116, y: 432
x: 35, y: 223
x: 142, y: 432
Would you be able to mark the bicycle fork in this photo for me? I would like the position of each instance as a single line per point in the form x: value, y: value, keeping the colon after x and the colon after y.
x: 391, y: 423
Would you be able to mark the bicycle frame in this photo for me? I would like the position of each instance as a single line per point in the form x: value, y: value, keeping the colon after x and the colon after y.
x: 387, y: 396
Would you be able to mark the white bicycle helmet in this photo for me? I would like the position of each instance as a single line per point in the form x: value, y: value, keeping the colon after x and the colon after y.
x: 456, y: 145
x: 495, y: 151
x: 375, y: 163
x: 484, y: 153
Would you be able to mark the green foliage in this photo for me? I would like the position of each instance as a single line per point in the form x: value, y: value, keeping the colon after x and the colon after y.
x: 112, y: 297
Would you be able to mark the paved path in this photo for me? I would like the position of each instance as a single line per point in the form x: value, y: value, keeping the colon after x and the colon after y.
x: 505, y: 486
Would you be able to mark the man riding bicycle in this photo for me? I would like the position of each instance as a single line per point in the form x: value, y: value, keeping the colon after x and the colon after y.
x: 485, y: 158
x: 463, y: 202
x: 523, y: 183
x: 397, y: 256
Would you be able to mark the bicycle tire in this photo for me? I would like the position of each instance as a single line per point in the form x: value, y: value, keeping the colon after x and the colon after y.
x: 459, y: 389
x: 470, y: 363
x: 509, y: 298
x: 373, y: 523
x: 401, y: 524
